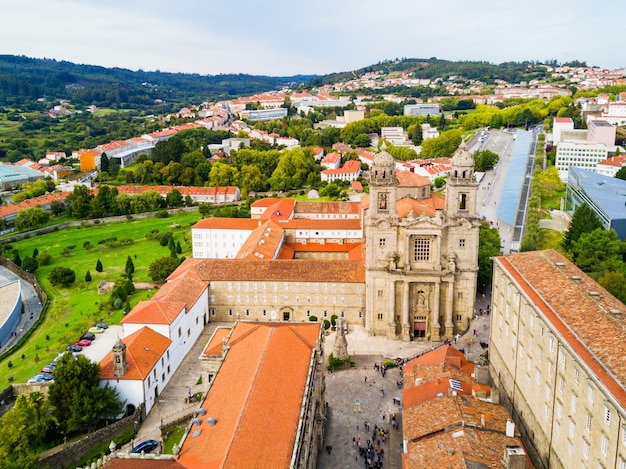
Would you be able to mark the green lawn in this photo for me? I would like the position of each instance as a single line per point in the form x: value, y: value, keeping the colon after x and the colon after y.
x: 73, y: 310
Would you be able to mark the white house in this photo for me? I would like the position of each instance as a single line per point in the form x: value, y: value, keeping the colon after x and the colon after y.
x: 220, y: 238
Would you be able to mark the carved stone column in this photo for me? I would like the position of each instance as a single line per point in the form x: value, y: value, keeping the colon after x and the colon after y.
x: 406, y: 313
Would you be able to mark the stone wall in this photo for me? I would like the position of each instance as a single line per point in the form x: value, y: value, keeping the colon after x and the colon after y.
x: 68, y: 455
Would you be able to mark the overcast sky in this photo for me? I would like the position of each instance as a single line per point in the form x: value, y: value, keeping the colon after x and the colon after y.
x: 281, y: 38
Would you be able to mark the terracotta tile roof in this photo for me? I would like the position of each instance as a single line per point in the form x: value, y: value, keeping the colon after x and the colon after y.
x: 214, y: 347
x: 563, y: 120
x: 12, y: 209
x: 446, y: 429
x: 617, y: 161
x: 340, y: 208
x: 255, y: 398
x: 268, y: 202
x: 263, y: 243
x: 344, y: 271
x: 186, y: 289
x: 562, y: 293
x: 349, y: 167
x: 426, y: 207
x: 409, y: 179
x: 154, y: 312
x: 331, y: 158
x: 325, y: 224
x: 281, y: 210
x: 144, y: 349
x: 448, y: 432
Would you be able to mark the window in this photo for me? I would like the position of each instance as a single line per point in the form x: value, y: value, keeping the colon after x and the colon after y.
x: 590, y: 393
x: 421, y: 249
x: 264, y: 313
x: 574, y: 402
x: 380, y: 316
x: 559, y: 409
x: 551, y: 344
x: 179, y: 332
x: 382, y: 242
x: 572, y: 429
x: 380, y: 293
x: 247, y: 312
x: 230, y: 312
x: 461, y: 243
x: 588, y: 423
x: 460, y: 295
x: 622, y: 463
x: 605, y: 444
x: 576, y: 374
x: 607, y: 415
x: 586, y: 450
x: 561, y: 384
x: 549, y: 369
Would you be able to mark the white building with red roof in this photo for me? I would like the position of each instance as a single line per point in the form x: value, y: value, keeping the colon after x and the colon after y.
x: 331, y: 161
x: 350, y: 171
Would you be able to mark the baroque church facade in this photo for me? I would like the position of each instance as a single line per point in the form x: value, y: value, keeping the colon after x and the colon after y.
x: 421, y: 260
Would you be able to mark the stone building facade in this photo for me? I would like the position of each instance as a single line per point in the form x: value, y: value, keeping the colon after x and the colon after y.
x: 421, y: 252
x: 558, y: 360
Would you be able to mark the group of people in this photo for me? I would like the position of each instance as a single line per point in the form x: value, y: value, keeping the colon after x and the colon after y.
x: 372, y: 451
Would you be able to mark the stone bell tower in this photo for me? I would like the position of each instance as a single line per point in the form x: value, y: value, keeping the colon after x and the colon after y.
x: 120, y: 365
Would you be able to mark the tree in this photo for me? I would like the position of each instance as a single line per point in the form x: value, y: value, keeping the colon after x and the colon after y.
x: 179, y: 249
x: 550, y: 183
x: 584, y: 220
x: 31, y: 218
x: 162, y: 267
x: 615, y: 283
x: 104, y: 162
x: 17, y: 260
x: 30, y: 264
x: 130, y: 266
x: 598, y: 252
x: 174, y: 198
x: 621, y: 174
x: 485, y: 160
x: 361, y: 140
x: 63, y: 276
x: 78, y: 400
x: 488, y: 247
x: 24, y: 431
x: 88, y: 277
x: 188, y: 201
x: 99, y: 267
x: 79, y: 201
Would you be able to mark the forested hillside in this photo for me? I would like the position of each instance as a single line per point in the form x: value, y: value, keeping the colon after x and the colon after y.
x: 23, y: 80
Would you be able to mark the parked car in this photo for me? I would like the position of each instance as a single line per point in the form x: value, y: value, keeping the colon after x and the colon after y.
x: 74, y: 348
x: 96, y: 330
x: 48, y: 369
x: 83, y: 343
x: 88, y: 336
x: 145, y: 446
x: 102, y: 325
x: 40, y: 378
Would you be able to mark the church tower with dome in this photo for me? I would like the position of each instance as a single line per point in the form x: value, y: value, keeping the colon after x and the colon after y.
x: 421, y: 251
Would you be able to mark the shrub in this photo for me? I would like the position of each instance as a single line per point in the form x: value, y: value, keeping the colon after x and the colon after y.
x: 62, y: 276
x: 118, y: 303
x: 312, y: 318
x: 333, y: 320
x: 29, y: 264
x: 106, y: 240
x: 87, y: 245
x: 44, y: 258
x: 326, y: 324
x: 162, y: 214
x: 10, y: 364
x: 99, y: 267
x: 126, y: 241
x: 88, y: 277
x: 152, y: 234
x: 336, y: 363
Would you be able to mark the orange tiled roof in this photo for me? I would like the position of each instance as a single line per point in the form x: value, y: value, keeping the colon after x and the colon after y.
x: 341, y: 208
x: 426, y: 207
x: 12, y: 209
x: 256, y: 408
x: 325, y: 224
x: 409, y: 179
x: 144, y: 348
x: 214, y: 347
x: 581, y: 319
x: 154, y: 312
x: 135, y: 463
x: 263, y: 243
x: 186, y: 289
x: 281, y: 210
x: 344, y: 271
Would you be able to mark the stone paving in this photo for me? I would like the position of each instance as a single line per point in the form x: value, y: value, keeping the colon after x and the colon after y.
x: 343, y: 388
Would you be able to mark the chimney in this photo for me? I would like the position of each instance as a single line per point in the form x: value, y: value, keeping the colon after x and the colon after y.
x: 510, y: 428
x: 514, y: 457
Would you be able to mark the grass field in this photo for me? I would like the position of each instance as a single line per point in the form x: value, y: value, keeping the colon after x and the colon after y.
x: 73, y: 310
